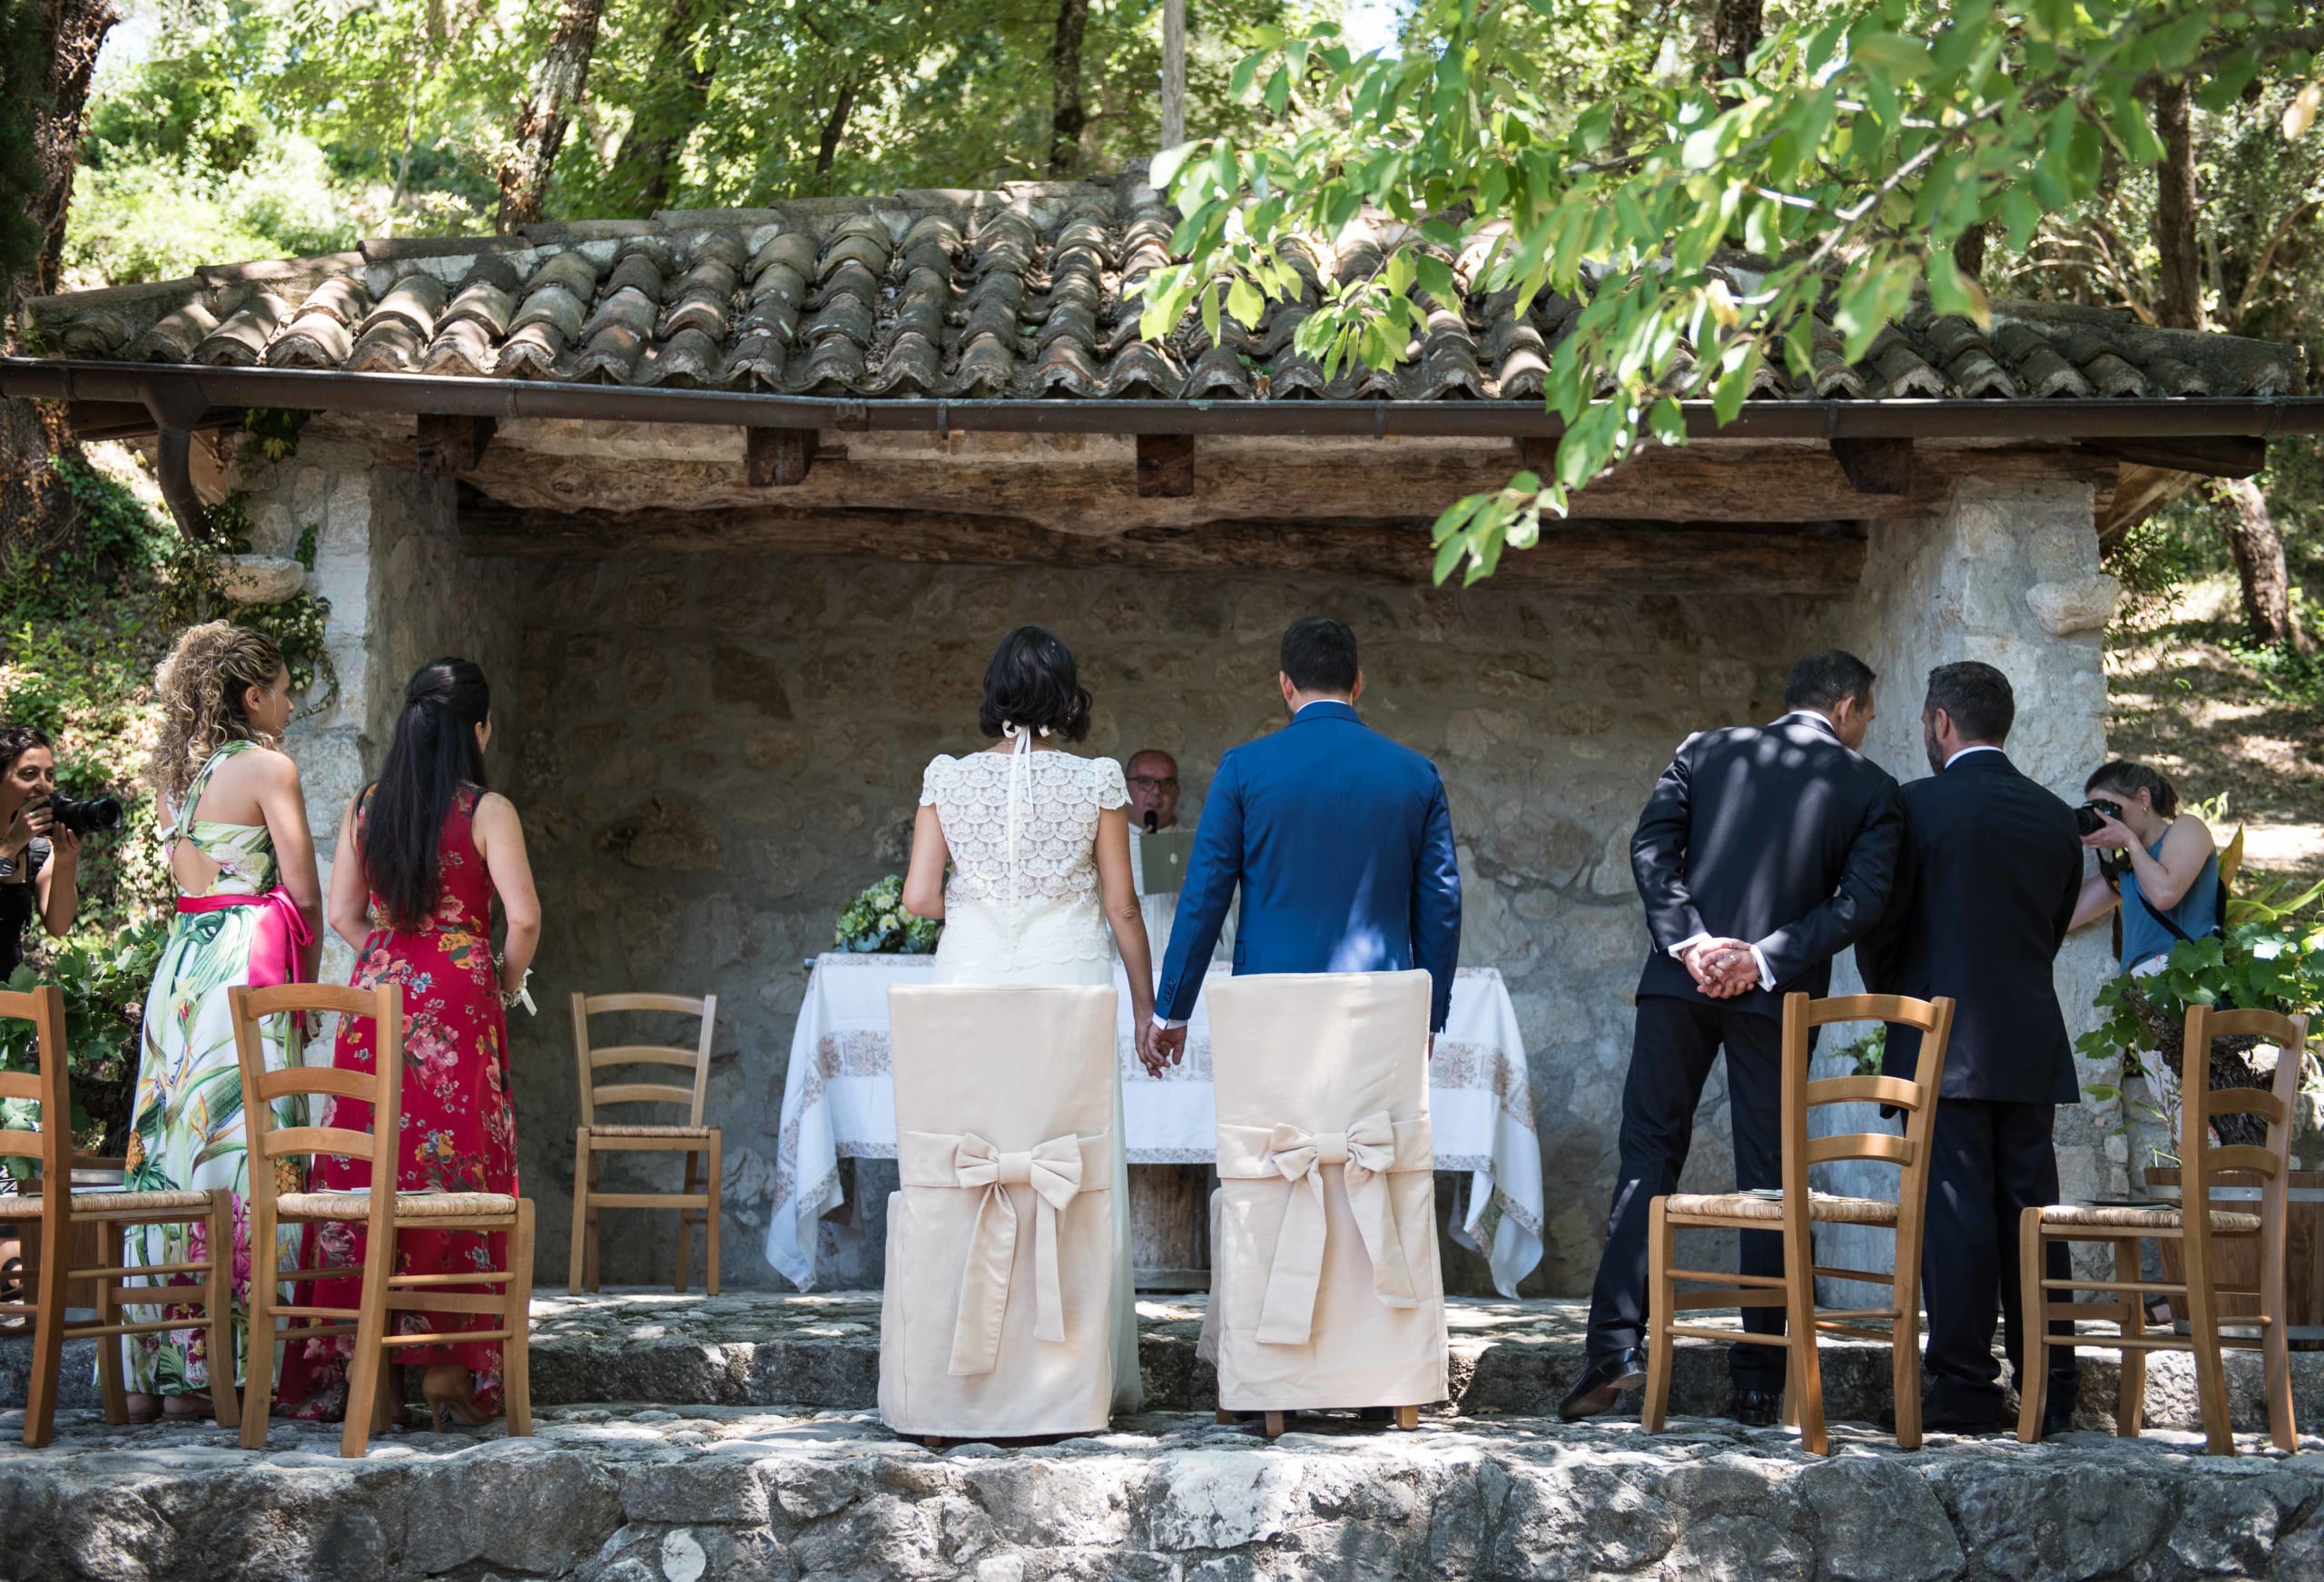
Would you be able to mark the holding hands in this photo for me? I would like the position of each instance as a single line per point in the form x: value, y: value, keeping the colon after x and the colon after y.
x: 1159, y: 1049
x: 1722, y: 969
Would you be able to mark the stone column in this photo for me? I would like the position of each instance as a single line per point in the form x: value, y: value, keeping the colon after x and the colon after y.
x: 2007, y: 573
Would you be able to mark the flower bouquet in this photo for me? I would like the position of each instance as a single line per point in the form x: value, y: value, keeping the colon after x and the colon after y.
x: 875, y: 923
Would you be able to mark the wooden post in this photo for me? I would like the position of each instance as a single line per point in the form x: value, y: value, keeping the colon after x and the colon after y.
x: 779, y: 457
x: 451, y: 442
x: 1174, y: 72
x: 1165, y: 465
x: 1875, y: 466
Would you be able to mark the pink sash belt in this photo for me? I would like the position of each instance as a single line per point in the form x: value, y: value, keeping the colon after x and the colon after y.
x: 281, y: 932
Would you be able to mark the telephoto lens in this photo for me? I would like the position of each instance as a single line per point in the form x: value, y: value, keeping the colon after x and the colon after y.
x: 85, y: 818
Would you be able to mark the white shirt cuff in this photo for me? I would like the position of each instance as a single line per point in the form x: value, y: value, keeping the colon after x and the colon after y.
x: 1767, y: 977
x: 1166, y: 1023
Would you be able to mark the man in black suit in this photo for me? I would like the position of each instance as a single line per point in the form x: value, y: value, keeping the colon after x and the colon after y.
x: 1991, y: 872
x: 1763, y: 852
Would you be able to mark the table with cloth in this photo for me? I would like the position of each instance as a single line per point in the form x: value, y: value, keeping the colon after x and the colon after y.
x: 838, y: 1103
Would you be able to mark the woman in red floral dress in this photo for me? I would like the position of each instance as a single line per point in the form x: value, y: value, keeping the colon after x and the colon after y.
x: 430, y: 848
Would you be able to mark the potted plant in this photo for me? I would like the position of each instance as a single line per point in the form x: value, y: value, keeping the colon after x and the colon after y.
x: 2271, y: 958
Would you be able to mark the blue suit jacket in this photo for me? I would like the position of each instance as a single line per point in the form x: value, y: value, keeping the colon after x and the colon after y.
x: 1343, y: 845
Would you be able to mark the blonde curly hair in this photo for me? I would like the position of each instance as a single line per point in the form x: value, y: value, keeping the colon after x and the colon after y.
x: 200, y: 685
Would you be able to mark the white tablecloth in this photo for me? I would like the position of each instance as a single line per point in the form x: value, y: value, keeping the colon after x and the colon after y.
x: 837, y: 1103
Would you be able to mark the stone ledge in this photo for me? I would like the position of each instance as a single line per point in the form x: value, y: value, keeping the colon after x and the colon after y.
x: 1515, y: 1358
x: 608, y: 1494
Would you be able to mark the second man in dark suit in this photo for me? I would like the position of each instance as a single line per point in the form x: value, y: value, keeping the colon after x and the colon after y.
x: 1764, y: 851
x: 1991, y: 874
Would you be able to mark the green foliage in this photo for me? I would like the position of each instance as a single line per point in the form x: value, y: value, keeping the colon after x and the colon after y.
x: 1866, y: 1053
x: 2270, y: 958
x: 875, y: 922
x: 1866, y: 139
x: 274, y: 127
x: 195, y: 582
x: 104, y: 983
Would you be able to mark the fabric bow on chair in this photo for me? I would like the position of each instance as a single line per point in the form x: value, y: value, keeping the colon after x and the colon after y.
x: 1368, y: 1151
x: 1055, y: 1170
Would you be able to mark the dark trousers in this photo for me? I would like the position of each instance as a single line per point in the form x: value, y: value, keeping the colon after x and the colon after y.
x: 1671, y: 1056
x: 1989, y: 1162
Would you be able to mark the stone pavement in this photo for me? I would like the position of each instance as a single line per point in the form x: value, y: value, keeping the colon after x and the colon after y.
x: 681, y: 1438
x: 621, y: 1494
x: 1514, y: 1357
x: 822, y: 1349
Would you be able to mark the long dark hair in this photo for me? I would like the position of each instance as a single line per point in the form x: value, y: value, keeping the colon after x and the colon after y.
x: 1032, y: 685
x: 2129, y: 778
x: 433, y: 754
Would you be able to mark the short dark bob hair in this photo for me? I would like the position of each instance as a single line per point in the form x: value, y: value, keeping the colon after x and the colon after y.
x: 1031, y: 684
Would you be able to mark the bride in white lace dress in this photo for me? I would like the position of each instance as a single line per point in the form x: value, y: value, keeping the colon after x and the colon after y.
x: 1037, y: 841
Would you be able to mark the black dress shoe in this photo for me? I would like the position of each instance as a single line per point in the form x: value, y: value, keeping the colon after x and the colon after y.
x: 1953, y: 1418
x: 1601, y: 1383
x: 1756, y: 1408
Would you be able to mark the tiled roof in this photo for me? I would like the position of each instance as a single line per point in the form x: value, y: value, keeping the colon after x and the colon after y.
x: 1018, y: 292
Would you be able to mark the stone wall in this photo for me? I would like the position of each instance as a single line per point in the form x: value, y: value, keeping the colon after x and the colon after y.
x: 722, y: 748
x: 2007, y: 574
x: 713, y: 750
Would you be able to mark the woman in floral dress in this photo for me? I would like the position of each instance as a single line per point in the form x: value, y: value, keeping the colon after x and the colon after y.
x: 424, y: 850
x: 234, y: 823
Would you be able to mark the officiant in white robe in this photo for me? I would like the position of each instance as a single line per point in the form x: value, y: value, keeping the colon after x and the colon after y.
x: 1152, y: 777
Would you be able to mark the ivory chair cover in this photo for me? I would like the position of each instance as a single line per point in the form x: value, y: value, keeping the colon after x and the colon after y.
x: 997, y: 1318
x: 1325, y: 1291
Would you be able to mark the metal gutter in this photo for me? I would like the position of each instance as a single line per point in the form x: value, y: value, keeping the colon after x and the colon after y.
x: 188, y: 390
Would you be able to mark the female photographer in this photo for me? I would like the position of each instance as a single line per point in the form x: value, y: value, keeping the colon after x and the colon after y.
x: 2170, y: 879
x: 39, y: 861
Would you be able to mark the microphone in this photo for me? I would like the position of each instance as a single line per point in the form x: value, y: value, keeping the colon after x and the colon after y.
x: 1152, y: 822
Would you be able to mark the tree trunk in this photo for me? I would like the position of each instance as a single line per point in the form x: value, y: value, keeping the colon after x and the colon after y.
x: 1174, y: 72
x: 559, y: 78
x: 1066, y: 117
x: 834, y: 128
x: 2259, y: 550
x: 34, y: 507
x: 1735, y: 30
x: 682, y: 74
x: 2179, y: 299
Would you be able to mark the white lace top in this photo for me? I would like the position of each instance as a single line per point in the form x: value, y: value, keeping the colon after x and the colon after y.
x: 1022, y: 830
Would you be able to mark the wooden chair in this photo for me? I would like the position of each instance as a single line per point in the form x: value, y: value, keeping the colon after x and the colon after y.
x: 381, y: 1212
x: 698, y: 1202
x: 1796, y: 1210
x: 56, y: 1209
x: 2201, y: 1161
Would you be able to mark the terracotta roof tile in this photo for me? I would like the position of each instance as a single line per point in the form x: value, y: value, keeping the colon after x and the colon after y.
x: 1029, y: 291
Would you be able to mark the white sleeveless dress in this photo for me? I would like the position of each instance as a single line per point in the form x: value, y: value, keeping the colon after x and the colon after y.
x: 1022, y: 906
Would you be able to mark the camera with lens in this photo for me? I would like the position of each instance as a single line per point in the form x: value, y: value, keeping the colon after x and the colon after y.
x: 2091, y: 816
x: 90, y: 817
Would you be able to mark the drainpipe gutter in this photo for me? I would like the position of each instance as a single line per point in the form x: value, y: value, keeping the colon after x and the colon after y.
x: 178, y: 394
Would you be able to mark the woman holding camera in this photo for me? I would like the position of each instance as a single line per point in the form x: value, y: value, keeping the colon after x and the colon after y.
x: 233, y: 824
x: 39, y: 858
x: 2170, y: 879
x: 422, y: 855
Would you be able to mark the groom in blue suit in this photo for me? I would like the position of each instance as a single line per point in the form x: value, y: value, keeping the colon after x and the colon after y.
x: 1339, y: 838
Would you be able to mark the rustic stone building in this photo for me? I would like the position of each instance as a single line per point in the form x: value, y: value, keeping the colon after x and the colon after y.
x: 731, y: 506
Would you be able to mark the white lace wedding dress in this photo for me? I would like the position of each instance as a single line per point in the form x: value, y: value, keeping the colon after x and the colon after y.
x: 1022, y: 906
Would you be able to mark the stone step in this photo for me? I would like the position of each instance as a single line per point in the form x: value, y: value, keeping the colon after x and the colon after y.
x: 627, y: 1494
x: 759, y: 1348
x: 1513, y: 1358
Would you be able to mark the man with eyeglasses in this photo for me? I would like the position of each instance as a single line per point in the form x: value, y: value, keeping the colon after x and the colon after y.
x: 1153, y: 777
